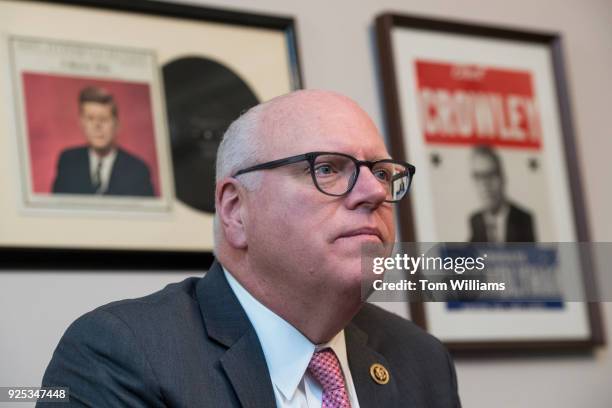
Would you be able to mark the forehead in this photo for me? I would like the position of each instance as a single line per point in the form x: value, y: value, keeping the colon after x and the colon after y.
x: 96, y: 108
x: 328, y: 124
x: 482, y: 162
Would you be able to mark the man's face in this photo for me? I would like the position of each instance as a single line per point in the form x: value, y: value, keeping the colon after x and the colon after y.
x: 489, y: 182
x: 302, y: 237
x: 99, y: 125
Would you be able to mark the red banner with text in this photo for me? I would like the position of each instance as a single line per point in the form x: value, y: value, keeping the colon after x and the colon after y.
x: 473, y: 105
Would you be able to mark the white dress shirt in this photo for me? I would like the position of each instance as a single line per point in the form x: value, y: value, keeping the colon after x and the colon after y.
x: 496, y: 224
x: 105, y: 170
x: 288, y: 352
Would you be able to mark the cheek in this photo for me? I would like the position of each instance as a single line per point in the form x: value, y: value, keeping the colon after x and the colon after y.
x: 388, y: 220
x: 300, y: 215
x: 287, y: 232
x: 291, y: 214
x: 482, y: 188
x: 109, y: 131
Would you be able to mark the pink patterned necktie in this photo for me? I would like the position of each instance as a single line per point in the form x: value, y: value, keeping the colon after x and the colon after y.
x: 325, y: 368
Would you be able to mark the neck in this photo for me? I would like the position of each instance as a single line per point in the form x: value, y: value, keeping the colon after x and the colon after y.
x: 498, y: 207
x: 103, y: 152
x: 319, y: 317
x: 318, y: 313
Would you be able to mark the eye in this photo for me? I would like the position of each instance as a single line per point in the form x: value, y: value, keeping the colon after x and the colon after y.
x: 325, y: 169
x: 382, y: 174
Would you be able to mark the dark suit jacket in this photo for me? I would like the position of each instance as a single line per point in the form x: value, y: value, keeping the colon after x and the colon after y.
x: 519, y: 226
x: 130, y: 176
x: 192, y: 345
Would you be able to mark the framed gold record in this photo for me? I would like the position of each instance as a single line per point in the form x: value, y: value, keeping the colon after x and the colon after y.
x: 176, y: 76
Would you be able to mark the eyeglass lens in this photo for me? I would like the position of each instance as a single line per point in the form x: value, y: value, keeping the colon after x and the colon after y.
x: 335, y: 175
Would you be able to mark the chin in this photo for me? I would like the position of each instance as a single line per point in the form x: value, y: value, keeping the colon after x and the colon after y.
x: 346, y: 273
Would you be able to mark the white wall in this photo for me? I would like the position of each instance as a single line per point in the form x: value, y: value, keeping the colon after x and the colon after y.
x: 336, y: 44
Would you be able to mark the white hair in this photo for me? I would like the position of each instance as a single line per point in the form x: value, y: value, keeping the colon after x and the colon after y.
x: 240, y: 147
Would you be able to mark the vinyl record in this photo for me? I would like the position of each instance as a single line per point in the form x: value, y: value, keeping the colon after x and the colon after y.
x: 202, y: 98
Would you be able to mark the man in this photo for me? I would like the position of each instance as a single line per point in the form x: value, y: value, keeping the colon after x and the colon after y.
x: 279, y: 319
x: 500, y: 220
x: 101, y: 167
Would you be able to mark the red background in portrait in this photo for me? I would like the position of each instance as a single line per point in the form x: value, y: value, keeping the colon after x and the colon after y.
x: 52, y: 119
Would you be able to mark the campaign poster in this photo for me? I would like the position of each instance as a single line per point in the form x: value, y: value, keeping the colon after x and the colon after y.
x: 483, y: 117
x: 481, y: 129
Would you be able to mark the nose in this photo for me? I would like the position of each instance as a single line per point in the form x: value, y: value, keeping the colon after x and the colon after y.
x: 368, y: 191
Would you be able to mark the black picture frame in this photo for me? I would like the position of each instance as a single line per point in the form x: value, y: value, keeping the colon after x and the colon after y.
x: 16, y: 256
x: 395, y: 121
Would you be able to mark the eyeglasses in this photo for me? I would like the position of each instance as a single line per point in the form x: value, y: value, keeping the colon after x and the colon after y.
x: 336, y: 174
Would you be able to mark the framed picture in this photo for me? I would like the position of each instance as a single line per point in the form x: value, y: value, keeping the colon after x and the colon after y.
x: 112, y: 115
x: 61, y: 121
x: 483, y: 113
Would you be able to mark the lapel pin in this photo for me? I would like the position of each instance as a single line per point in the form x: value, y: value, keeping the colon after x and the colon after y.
x: 379, y: 374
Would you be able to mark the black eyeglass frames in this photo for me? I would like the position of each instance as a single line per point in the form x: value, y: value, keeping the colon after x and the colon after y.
x: 336, y: 174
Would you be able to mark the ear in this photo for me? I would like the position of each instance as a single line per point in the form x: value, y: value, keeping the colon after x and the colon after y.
x: 229, y: 201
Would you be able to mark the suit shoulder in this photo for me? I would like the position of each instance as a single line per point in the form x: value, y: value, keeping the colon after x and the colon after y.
x: 73, y: 152
x: 132, y: 160
x: 146, y: 315
x: 475, y: 216
x: 387, y: 330
x: 520, y: 211
x: 108, y: 357
x: 174, y: 296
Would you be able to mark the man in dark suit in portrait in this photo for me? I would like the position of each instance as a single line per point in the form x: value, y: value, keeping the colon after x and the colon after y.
x: 500, y: 220
x: 101, y: 167
x: 279, y: 319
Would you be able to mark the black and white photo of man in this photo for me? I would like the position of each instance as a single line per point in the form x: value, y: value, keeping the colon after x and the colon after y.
x: 499, y: 219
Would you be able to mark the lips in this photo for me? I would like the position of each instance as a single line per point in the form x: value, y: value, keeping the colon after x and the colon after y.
x: 362, y: 231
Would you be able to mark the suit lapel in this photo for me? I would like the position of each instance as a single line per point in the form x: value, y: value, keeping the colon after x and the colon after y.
x: 117, y: 169
x: 511, y: 227
x: 84, y: 177
x: 245, y: 366
x: 227, y: 323
x: 361, y: 357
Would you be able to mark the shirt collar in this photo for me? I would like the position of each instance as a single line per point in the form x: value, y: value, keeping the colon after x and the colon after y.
x: 108, y: 158
x: 287, y: 351
x: 502, y: 213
